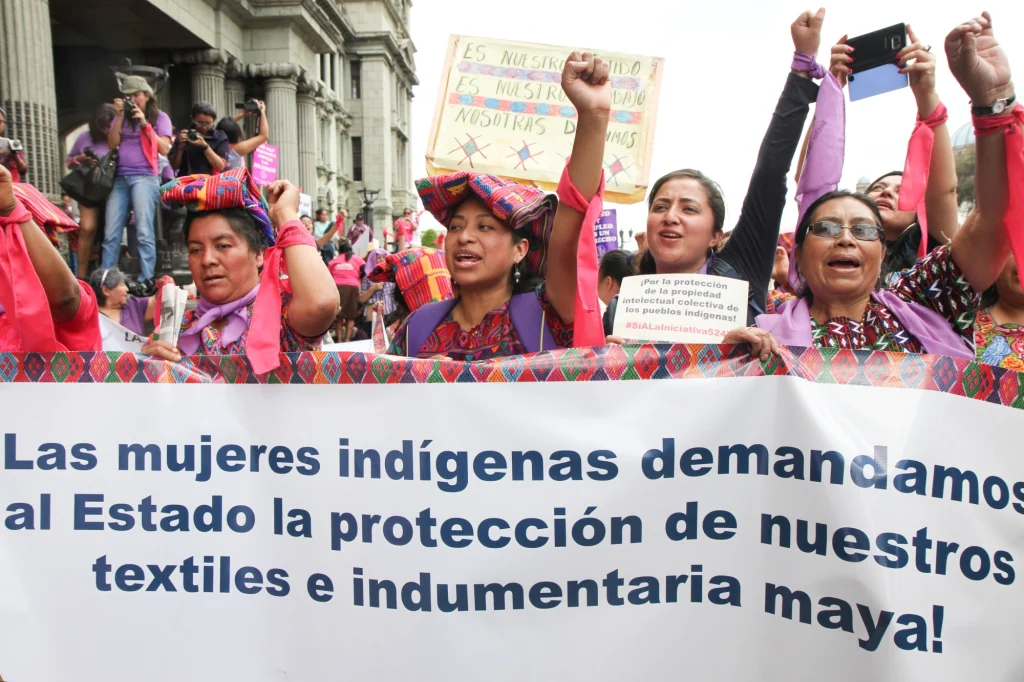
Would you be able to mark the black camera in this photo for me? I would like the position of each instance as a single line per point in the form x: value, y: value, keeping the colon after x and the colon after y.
x: 251, y: 107
x: 193, y: 135
x: 91, y: 154
x: 129, y: 105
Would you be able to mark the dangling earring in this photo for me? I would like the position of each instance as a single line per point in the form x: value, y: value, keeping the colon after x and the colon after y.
x: 515, y: 274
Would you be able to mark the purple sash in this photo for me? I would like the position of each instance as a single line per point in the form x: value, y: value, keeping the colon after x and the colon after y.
x: 792, y: 327
x: 236, y: 312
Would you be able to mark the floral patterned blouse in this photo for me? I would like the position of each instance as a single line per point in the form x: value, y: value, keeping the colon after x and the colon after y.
x: 291, y: 340
x: 934, y: 282
x: 999, y: 344
x: 494, y: 337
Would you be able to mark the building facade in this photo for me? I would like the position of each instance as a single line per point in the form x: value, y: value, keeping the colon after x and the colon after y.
x: 336, y: 75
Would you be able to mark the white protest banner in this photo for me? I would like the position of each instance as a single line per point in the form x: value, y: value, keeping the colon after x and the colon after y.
x: 119, y: 339
x: 680, y: 308
x: 745, y: 528
x: 364, y: 346
x: 500, y: 109
x: 305, y: 205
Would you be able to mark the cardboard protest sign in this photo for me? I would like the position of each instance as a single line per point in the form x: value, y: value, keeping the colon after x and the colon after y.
x: 680, y: 308
x: 500, y: 109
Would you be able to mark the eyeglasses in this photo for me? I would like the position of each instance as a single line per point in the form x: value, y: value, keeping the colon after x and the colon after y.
x: 829, y: 229
x: 201, y: 124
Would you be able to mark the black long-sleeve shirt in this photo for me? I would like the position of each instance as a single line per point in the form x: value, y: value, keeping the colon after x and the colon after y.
x: 751, y: 247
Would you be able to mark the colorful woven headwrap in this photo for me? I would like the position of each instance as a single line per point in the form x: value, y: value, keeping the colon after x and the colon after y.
x: 44, y: 213
x: 420, y: 273
x: 232, y: 189
x: 518, y: 206
x: 786, y: 241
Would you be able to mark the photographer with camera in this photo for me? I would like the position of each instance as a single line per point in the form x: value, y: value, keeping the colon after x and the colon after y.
x: 242, y: 148
x: 12, y: 154
x: 140, y: 132
x: 89, y: 147
x: 200, y: 150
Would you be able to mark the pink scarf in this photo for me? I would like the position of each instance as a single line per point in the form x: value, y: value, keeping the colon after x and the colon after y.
x: 587, y: 327
x: 792, y: 327
x: 917, y: 169
x: 1012, y: 125
x: 22, y: 297
x: 263, y: 345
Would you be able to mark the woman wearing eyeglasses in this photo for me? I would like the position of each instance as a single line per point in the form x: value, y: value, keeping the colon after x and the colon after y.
x: 840, y: 248
x: 201, y: 149
x: 931, y: 307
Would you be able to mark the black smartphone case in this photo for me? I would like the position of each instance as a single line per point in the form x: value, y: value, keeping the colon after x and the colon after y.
x: 878, y: 47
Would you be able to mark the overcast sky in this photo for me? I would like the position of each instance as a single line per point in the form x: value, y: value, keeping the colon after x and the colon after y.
x: 725, y: 65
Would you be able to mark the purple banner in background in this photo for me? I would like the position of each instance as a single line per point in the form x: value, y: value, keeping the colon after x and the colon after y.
x: 606, y: 232
x: 264, y: 164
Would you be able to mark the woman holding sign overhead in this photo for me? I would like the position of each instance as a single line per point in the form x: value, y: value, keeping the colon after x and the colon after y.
x: 263, y: 288
x: 511, y: 249
x: 840, y: 243
x: 686, y: 209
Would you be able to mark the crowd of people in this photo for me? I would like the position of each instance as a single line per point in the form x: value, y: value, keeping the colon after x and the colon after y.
x: 891, y: 269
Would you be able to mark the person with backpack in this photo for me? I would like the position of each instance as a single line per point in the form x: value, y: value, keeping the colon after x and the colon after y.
x: 686, y: 209
x: 93, y: 140
x: 511, y: 249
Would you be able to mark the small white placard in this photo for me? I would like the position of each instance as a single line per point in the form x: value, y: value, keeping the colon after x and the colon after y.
x: 680, y: 308
x: 118, y: 338
x: 364, y: 346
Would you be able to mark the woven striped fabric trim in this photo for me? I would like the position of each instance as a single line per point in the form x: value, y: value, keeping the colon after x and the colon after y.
x: 647, y: 362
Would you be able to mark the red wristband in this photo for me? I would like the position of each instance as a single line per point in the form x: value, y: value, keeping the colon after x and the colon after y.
x: 986, y: 125
x: 293, y: 233
x: 19, y: 215
x: 937, y: 118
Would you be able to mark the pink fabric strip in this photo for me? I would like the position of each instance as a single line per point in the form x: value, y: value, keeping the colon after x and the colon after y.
x: 917, y: 169
x: 263, y: 344
x: 1012, y: 127
x: 587, y: 327
x: 21, y: 292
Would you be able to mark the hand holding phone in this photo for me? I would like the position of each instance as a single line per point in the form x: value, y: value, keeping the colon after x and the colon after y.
x: 840, y: 61
x: 921, y: 71
x: 874, y: 68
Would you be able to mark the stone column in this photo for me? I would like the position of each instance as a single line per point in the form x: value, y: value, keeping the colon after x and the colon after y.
x: 208, y: 86
x: 307, y: 120
x: 28, y: 91
x: 343, y: 152
x: 208, y: 68
x: 282, y: 111
x: 234, y: 94
x: 378, y: 139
